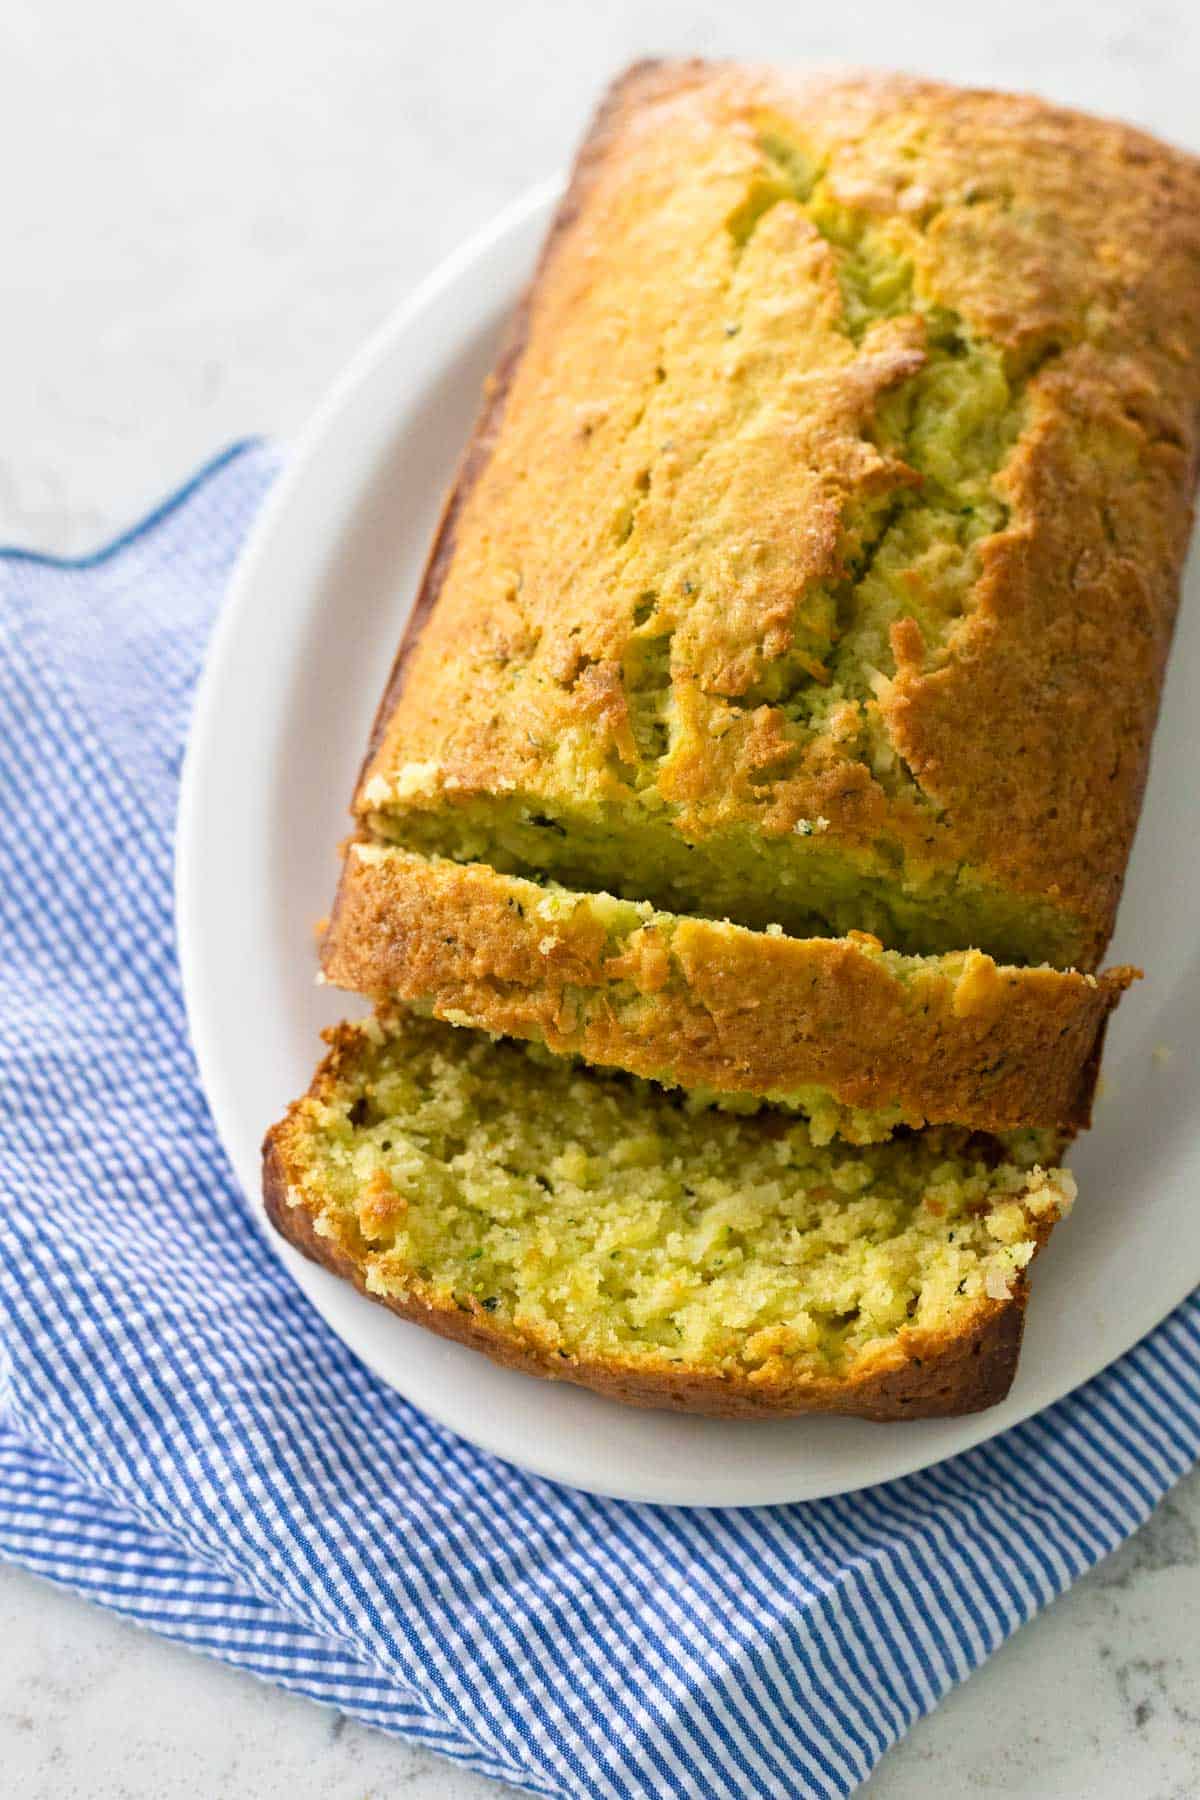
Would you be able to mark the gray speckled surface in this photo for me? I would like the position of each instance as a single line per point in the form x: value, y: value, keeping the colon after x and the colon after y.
x: 207, y: 207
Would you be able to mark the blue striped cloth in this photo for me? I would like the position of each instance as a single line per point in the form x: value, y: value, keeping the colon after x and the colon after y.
x: 183, y: 1440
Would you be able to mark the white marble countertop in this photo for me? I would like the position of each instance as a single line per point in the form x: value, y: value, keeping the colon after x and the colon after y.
x: 208, y: 204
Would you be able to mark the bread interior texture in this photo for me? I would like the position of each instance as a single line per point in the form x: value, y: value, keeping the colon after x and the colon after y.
x: 605, y: 1218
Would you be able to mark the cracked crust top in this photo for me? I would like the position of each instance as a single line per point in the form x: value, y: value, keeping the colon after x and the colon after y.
x: 839, y: 468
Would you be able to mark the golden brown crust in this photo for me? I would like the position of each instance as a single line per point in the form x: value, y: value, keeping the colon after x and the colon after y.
x: 1070, y: 243
x: 640, y: 77
x: 710, y: 1005
x: 923, y: 1375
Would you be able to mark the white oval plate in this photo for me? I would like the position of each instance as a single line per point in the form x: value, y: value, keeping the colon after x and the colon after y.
x: 296, y: 666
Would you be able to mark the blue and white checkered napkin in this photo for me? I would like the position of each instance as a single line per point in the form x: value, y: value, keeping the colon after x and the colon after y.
x: 182, y: 1439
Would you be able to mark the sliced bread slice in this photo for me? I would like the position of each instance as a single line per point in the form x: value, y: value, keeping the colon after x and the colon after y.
x: 594, y: 1228
x: 859, y: 1038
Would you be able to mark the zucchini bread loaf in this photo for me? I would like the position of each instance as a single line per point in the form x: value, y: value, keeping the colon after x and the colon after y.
x: 816, y: 555
x: 770, y: 733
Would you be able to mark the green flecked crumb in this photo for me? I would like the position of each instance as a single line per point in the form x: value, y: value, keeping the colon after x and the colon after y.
x: 508, y: 1187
